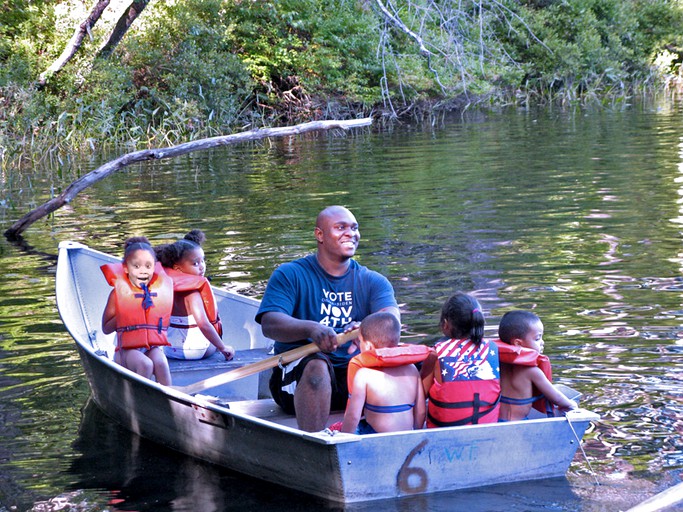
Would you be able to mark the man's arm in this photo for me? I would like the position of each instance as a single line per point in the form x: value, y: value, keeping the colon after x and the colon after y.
x: 286, y: 329
x: 393, y: 310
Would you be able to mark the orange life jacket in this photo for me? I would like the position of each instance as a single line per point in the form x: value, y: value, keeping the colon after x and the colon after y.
x: 522, y: 356
x: 465, y: 399
x: 183, y: 282
x: 386, y: 357
x: 137, y: 327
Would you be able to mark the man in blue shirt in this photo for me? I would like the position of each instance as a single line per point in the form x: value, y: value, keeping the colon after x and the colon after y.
x: 312, y: 299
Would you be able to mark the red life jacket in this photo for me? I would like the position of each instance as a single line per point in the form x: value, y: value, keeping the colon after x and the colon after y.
x: 183, y: 282
x: 386, y: 357
x: 135, y: 326
x: 522, y: 356
x: 465, y: 399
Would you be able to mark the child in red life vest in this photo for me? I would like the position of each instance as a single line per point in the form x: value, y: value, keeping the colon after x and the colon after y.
x: 462, y: 379
x: 525, y: 372
x: 195, y: 330
x: 383, y: 382
x: 139, y: 309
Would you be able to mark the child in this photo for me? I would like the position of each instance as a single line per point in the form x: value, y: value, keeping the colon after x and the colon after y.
x: 195, y: 331
x: 139, y: 309
x: 525, y: 373
x: 462, y: 379
x: 383, y: 382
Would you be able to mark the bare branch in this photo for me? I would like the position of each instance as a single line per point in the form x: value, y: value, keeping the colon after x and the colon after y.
x: 456, y: 37
x: 157, y: 154
x: 398, y: 23
x: 75, y: 42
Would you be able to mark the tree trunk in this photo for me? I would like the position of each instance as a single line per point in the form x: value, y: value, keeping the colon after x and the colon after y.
x: 75, y: 42
x: 122, y: 26
x: 157, y: 154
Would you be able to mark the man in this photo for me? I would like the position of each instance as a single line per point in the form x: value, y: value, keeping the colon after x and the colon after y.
x: 311, y: 300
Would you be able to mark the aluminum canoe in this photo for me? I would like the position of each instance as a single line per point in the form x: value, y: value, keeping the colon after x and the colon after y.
x: 237, y: 425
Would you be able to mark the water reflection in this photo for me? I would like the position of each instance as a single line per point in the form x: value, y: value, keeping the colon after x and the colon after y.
x: 130, y: 473
x: 116, y: 469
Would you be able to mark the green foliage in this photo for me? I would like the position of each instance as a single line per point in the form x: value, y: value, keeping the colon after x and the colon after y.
x: 200, y: 67
x: 323, y: 47
x: 26, y: 27
x: 178, y: 56
x: 597, y: 46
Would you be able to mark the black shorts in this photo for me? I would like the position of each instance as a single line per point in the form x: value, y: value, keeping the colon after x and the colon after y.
x: 283, y: 383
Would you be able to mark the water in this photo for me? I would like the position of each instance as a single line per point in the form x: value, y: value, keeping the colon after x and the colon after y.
x: 578, y: 216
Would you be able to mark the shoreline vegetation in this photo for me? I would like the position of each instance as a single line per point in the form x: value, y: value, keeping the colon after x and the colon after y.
x: 80, y: 77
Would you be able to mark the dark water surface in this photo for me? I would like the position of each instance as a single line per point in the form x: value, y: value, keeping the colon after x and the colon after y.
x: 579, y: 216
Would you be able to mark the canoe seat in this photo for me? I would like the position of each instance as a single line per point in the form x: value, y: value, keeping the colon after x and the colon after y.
x: 267, y: 409
x: 255, y: 386
x: 217, y: 361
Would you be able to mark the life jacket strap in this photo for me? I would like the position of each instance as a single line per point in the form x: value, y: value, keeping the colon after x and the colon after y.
x: 480, y: 408
x: 159, y: 328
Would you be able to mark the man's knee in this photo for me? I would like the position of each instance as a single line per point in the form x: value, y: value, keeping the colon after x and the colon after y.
x: 316, y: 375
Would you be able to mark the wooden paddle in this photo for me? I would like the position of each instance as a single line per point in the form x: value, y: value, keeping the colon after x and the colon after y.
x: 264, y: 364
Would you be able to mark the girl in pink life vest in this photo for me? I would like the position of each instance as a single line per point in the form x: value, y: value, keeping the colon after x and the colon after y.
x: 139, y: 310
x: 463, y: 380
x: 195, y: 330
x: 525, y: 371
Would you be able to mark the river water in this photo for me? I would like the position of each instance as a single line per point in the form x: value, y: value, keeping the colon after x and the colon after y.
x: 577, y: 215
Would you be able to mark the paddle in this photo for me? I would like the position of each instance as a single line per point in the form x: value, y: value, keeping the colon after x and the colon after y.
x: 264, y: 364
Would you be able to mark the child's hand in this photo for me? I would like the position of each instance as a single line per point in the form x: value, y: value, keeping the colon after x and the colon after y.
x: 572, y: 405
x: 355, y: 345
x: 228, y: 352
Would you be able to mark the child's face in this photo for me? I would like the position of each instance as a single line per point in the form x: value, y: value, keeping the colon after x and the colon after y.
x: 534, y: 337
x: 140, y: 267
x: 193, y: 262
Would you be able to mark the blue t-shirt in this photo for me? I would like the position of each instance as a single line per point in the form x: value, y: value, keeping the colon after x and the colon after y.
x: 302, y: 289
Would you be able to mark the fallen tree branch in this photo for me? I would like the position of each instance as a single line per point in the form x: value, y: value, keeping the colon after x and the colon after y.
x: 157, y: 154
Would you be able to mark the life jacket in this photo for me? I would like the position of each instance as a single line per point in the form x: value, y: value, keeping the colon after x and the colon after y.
x: 522, y: 356
x: 137, y: 327
x: 183, y: 282
x: 469, y: 393
x: 386, y: 357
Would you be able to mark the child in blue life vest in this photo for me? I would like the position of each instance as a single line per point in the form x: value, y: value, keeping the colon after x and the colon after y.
x: 525, y: 374
x: 462, y: 379
x: 139, y: 310
x: 383, y: 381
x: 195, y: 330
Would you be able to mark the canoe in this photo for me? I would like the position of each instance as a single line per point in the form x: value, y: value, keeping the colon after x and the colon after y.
x: 237, y: 425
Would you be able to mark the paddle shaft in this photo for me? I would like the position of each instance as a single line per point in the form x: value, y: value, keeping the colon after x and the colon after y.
x: 264, y: 364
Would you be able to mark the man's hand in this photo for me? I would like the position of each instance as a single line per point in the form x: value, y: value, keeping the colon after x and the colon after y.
x: 324, y: 337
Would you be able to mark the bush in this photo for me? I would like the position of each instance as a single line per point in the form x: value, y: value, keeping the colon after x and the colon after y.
x: 596, y: 46
x: 192, y: 69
